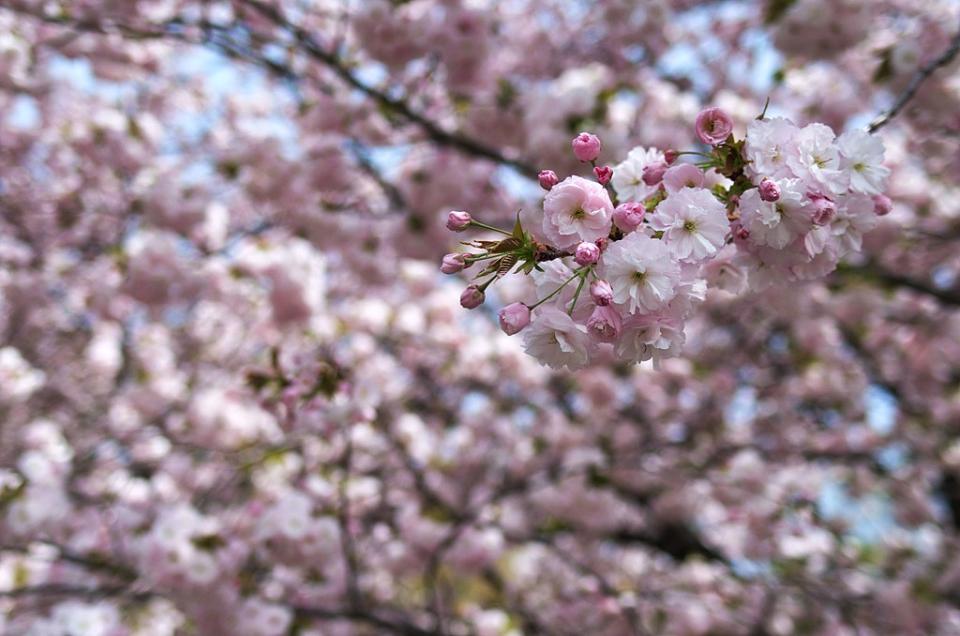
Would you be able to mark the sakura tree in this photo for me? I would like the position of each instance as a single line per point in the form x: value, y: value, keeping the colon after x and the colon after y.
x: 711, y: 379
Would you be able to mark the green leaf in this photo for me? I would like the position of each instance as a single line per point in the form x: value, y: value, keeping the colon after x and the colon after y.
x: 518, y: 228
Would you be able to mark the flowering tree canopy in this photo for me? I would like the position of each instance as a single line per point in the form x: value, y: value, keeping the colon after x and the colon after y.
x: 238, y: 397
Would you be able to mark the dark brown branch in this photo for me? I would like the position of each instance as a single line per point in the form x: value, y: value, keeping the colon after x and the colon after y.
x: 915, y: 82
x: 876, y: 273
x: 61, y: 589
x: 382, y: 623
x: 436, y: 134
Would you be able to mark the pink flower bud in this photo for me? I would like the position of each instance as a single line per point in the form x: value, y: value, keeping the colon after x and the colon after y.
x: 882, y: 205
x: 472, y: 297
x: 743, y: 233
x: 602, y: 243
x: 458, y: 221
x: 653, y: 174
x: 586, y: 254
x: 548, y: 179
x: 713, y: 126
x: 586, y: 147
x: 769, y: 191
x: 823, y: 210
x: 683, y: 175
x: 514, y: 317
x: 604, y: 174
x: 628, y: 216
x: 605, y: 324
x: 601, y: 292
x: 453, y: 263
x: 670, y: 156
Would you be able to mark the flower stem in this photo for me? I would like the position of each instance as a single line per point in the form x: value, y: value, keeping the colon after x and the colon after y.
x: 489, y: 227
x: 555, y: 291
x: 576, y: 295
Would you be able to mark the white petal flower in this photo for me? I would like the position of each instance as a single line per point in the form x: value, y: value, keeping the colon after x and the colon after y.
x: 855, y: 217
x: 694, y: 224
x: 557, y: 341
x: 628, y: 175
x: 641, y: 272
x: 862, y: 155
x: 817, y: 161
x: 776, y: 224
x: 770, y: 143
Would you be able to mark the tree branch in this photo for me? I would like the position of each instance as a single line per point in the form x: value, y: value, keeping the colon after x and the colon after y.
x: 915, y: 82
x: 436, y: 134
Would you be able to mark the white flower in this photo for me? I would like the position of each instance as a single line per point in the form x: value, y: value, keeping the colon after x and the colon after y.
x: 854, y: 218
x: 818, y: 160
x: 641, y: 272
x: 556, y: 340
x: 74, y: 617
x: 769, y: 144
x: 650, y: 336
x: 776, y: 224
x: 863, y: 158
x: 18, y: 380
x: 694, y: 224
x: 628, y: 174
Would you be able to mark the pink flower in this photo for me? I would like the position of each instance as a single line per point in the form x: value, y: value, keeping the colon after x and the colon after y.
x: 576, y: 210
x: 586, y: 253
x: 713, y: 126
x: 628, y: 216
x: 823, y: 210
x: 548, y: 179
x: 604, y: 174
x: 682, y: 176
x: 458, y: 221
x: 882, y: 205
x: 453, y: 263
x: 555, y: 340
x: 601, y: 292
x: 513, y: 318
x: 769, y: 191
x: 586, y: 147
x: 605, y: 324
x: 472, y: 297
x: 670, y: 156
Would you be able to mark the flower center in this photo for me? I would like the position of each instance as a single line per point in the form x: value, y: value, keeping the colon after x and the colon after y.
x: 859, y: 167
x: 639, y: 277
x: 689, y: 226
x: 578, y: 214
x: 820, y: 162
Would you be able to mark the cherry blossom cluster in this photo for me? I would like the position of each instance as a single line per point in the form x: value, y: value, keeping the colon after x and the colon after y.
x: 618, y: 262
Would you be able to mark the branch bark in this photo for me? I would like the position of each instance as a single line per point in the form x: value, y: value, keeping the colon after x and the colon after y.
x: 916, y: 82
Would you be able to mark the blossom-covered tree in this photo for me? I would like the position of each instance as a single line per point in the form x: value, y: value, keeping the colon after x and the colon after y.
x: 238, y: 397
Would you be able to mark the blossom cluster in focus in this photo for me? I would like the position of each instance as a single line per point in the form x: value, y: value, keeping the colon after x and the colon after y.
x: 620, y: 261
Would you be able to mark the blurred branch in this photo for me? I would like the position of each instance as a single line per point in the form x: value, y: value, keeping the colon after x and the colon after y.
x: 915, y: 82
x: 387, y: 625
x: 434, y: 132
x: 61, y: 589
x: 872, y: 272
